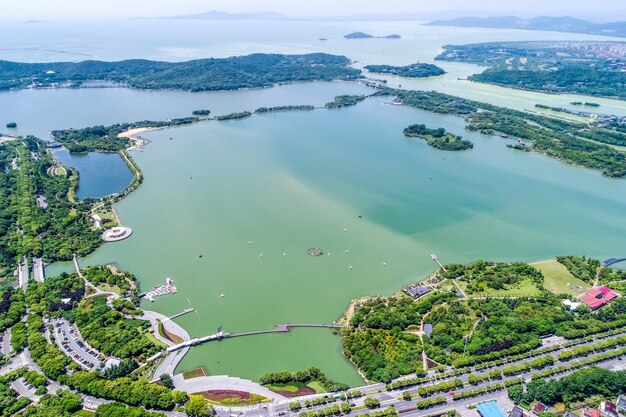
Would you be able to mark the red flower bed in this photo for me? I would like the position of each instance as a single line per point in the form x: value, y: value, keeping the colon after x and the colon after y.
x: 220, y: 395
x: 299, y: 393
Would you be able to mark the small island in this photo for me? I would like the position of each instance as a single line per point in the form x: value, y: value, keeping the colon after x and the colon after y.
x: 304, y: 107
x: 418, y: 70
x: 363, y: 35
x: 201, y: 112
x: 344, y: 101
x: 234, y: 116
x: 438, y: 138
x: 11, y: 125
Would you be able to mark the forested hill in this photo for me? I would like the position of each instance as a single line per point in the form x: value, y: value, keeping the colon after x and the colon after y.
x: 250, y: 71
x: 548, y: 23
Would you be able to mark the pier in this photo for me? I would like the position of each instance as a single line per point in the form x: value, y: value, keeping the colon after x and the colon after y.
x: 434, y: 258
x: 280, y: 328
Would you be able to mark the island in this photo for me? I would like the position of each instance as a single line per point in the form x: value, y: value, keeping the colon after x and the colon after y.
x: 418, y: 70
x: 11, y: 125
x: 345, y: 101
x: 578, y: 67
x: 201, y: 112
x: 438, y: 138
x: 363, y: 35
x: 210, y: 74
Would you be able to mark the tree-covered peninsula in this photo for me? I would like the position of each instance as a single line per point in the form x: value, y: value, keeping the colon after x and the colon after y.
x: 581, y: 67
x: 106, y: 138
x: 573, y: 142
x: 438, y: 138
x: 250, y: 71
x: 418, y: 70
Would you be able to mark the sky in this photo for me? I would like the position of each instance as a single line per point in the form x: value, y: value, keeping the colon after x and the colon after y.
x: 58, y: 9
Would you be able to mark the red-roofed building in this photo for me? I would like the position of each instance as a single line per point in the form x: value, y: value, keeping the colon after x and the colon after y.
x: 597, y: 297
x: 591, y: 412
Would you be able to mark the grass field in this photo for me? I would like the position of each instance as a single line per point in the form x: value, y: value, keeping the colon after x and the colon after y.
x: 525, y: 289
x: 558, y: 279
x: 194, y: 373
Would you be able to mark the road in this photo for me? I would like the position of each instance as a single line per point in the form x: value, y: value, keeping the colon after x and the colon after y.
x: 38, y: 269
x: 22, y: 274
x: 6, y: 342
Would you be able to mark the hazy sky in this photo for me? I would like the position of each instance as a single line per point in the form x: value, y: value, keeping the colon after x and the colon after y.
x: 47, y: 9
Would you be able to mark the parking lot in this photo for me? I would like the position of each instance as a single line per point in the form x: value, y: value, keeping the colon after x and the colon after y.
x: 69, y: 341
x: 24, y: 389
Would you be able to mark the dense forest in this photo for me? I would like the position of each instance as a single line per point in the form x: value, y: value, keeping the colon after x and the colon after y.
x: 250, y: 71
x: 418, y: 70
x: 438, y: 138
x: 588, y: 68
x: 29, y: 229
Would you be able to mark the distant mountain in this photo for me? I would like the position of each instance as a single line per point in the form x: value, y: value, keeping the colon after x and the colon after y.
x: 217, y: 15
x: 547, y: 23
x: 363, y: 35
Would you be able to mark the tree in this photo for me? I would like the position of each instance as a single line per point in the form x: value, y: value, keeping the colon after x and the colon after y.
x: 180, y: 397
x: 166, y: 381
x: 198, y: 406
x: 406, y: 396
x: 372, y: 403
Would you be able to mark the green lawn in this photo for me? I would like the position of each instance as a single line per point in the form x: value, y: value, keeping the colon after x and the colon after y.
x: 558, y: 279
x: 525, y: 289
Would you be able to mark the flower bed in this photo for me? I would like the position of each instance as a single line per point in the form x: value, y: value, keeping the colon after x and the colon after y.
x: 298, y: 393
x: 232, y: 397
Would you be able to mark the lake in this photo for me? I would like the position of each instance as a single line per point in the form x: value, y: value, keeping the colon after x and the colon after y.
x: 346, y: 181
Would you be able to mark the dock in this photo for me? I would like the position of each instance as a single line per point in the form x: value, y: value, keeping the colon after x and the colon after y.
x: 161, y: 290
x: 434, y: 258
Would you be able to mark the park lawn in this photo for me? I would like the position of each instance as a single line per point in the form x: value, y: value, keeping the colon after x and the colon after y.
x: 525, y: 288
x: 194, y: 373
x: 154, y: 340
x: 110, y: 288
x: 316, y: 386
x: 558, y: 280
x: 294, y: 389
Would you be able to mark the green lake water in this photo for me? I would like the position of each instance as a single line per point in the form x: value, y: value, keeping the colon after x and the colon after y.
x: 292, y: 181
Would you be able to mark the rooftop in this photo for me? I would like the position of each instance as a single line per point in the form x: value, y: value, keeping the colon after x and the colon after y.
x: 490, y: 409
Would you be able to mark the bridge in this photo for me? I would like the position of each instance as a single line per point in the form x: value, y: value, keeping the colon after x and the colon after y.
x: 280, y: 328
x: 612, y: 261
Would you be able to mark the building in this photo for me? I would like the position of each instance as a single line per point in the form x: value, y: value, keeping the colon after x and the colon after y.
x: 490, y: 409
x: 539, y: 408
x: 416, y: 291
x: 597, y: 297
x: 518, y: 412
x: 608, y: 409
x: 591, y: 412
x: 621, y: 403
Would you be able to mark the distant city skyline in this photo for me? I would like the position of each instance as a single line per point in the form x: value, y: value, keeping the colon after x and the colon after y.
x: 44, y: 9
